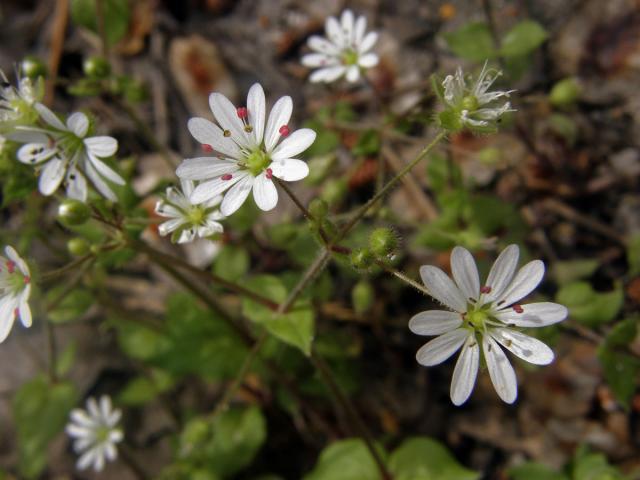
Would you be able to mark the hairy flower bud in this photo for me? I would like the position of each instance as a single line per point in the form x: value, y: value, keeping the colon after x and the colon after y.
x: 383, y: 242
x: 361, y: 258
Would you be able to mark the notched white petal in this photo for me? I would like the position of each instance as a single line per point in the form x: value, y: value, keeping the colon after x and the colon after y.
x: 434, y: 322
x: 440, y: 348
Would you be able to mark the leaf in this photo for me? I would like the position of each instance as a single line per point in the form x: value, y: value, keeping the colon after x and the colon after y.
x: 40, y: 410
x: 571, y: 270
x: 588, y: 306
x: 594, y: 466
x: 142, y: 390
x: 295, y: 328
x: 345, y: 460
x: 65, y: 360
x: 633, y: 255
x: 116, y: 17
x: 71, y: 307
x: 523, y: 39
x: 368, y: 144
x: 231, y: 263
x: 535, y: 471
x: 472, y: 42
x: 422, y: 458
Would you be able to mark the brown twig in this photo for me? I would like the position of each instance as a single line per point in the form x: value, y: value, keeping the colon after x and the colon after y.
x: 57, y: 43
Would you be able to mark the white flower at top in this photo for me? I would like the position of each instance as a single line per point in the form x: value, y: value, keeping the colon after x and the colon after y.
x: 471, y: 102
x: 344, y: 51
x: 249, y: 152
x: 484, y: 315
x: 95, y: 433
x: 16, y: 104
x: 15, y: 288
x: 188, y: 221
x: 65, y: 153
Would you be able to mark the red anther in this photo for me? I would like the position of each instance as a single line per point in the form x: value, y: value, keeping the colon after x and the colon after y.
x: 485, y: 289
x: 27, y: 280
x: 226, y: 176
x: 242, y: 112
x: 269, y: 173
x: 284, y: 130
x: 11, y: 266
x: 16, y: 312
x: 51, y: 142
x: 517, y: 308
x: 206, y: 148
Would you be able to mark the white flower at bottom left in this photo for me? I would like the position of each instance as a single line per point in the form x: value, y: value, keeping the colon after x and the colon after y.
x: 15, y: 288
x: 95, y: 433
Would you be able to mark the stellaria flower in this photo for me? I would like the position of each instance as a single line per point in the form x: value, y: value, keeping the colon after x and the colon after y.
x: 95, y: 433
x: 68, y: 154
x: 17, y: 103
x: 484, y: 314
x: 188, y: 221
x: 344, y: 51
x: 15, y: 288
x: 470, y: 104
x: 249, y: 153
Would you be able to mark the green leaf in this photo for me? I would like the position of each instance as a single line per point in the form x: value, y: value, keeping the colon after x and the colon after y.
x: 422, y: 458
x: 523, y: 39
x: 345, y: 460
x: 40, y: 410
x: 472, y: 42
x: 588, y: 306
x: 633, y: 255
x: 535, y: 471
x: 594, y: 466
x: 142, y: 390
x: 571, y: 270
x: 116, y: 17
x: 72, y: 306
x: 295, y: 328
x: 231, y: 263
x: 65, y: 360
x: 368, y: 144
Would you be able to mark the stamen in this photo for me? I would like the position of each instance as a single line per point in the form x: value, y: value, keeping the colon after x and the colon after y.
x: 248, y: 128
x: 269, y: 173
x: 27, y: 280
x: 206, y: 148
x: 16, y: 312
x: 226, y: 176
x: 284, y: 130
x: 242, y: 112
x: 11, y: 266
x: 485, y: 289
x: 517, y: 308
x: 227, y: 133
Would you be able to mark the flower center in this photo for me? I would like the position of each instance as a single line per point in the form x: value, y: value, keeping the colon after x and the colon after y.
x: 350, y: 57
x: 16, y: 281
x: 470, y: 103
x: 197, y: 215
x: 102, y: 434
x: 257, y: 161
x: 477, y: 319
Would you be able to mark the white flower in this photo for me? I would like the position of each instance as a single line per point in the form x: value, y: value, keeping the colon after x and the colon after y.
x: 345, y: 51
x: 65, y: 154
x: 188, y: 221
x: 95, y: 433
x: 475, y: 105
x: 484, y: 314
x: 249, y: 152
x: 16, y: 104
x: 15, y: 288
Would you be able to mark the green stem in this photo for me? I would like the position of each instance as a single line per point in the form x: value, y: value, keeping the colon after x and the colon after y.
x: 52, y: 274
x: 314, y: 269
x: 402, y: 276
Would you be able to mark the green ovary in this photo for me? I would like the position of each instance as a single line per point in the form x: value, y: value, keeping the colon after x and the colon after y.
x: 350, y: 57
x: 477, y: 319
x: 470, y: 103
x: 16, y: 281
x: 257, y: 161
x: 197, y: 215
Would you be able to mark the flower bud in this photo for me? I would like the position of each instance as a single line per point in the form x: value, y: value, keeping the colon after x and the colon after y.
x: 361, y: 258
x: 383, y: 242
x: 564, y: 93
x: 334, y: 191
x: 318, y: 208
x: 96, y: 67
x: 73, y: 212
x: 78, y: 246
x: 362, y: 296
x: 32, y: 67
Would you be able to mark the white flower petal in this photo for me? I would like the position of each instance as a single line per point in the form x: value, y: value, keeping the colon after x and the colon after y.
x: 25, y: 314
x: 227, y: 116
x: 202, y: 168
x: 86, y: 459
x: 279, y: 116
x: 35, y: 153
x: 208, y: 190
x: 106, y: 171
x: 465, y: 272
x: 80, y: 417
x: 434, y: 322
x: 76, y: 185
x: 28, y: 135
x: 368, y: 60
x: 501, y: 372
x: 78, y: 123
x: 315, y: 60
x: 359, y: 30
x: 52, y: 175
x: 290, y: 170
x: 49, y: 117
x: 264, y: 193
x: 236, y: 195
x: 440, y: 348
x: 465, y: 372
x: 322, y: 45
x: 7, y: 316
x: 99, y: 182
x: 297, y: 142
x: 442, y: 288
x: 353, y: 73
x: 256, y: 107
x: 523, y: 284
x: 102, y: 146
x: 502, y: 272
x: 367, y: 42
x: 328, y: 75
x: 334, y: 32
x: 534, y: 315
x: 527, y: 348
x: 169, y: 226
x: 208, y: 133
x: 347, y: 21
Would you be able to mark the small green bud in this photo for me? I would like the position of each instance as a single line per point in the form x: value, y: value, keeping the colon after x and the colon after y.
x: 32, y: 67
x: 96, y: 67
x: 383, y: 242
x: 361, y: 258
x: 329, y: 228
x: 362, y: 297
x: 78, y: 247
x: 334, y: 191
x: 565, y: 93
x: 318, y: 208
x: 73, y: 212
